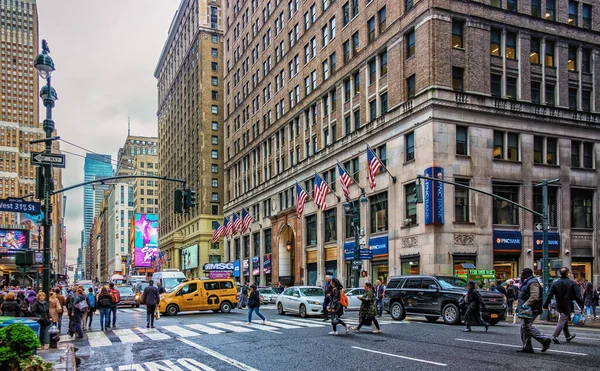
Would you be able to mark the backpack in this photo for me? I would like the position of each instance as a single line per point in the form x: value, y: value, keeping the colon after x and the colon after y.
x: 343, y: 299
x: 105, y: 302
x: 510, y: 293
x: 92, y: 300
x: 116, y: 297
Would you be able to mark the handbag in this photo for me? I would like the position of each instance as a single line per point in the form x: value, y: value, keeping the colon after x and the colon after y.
x: 82, y: 305
x: 579, y: 319
x: 525, y: 311
x: 156, y: 314
x: 334, y: 318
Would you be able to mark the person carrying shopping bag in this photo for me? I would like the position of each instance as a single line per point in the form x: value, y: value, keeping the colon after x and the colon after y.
x: 368, y: 311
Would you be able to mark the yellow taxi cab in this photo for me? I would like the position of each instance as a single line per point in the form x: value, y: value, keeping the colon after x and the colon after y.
x: 205, y: 294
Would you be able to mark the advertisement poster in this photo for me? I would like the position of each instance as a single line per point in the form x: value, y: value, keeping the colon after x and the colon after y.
x: 146, y: 239
x: 189, y: 257
x: 31, y: 223
x: 245, y: 266
x: 267, y: 264
x: 13, y: 239
x: 255, y: 265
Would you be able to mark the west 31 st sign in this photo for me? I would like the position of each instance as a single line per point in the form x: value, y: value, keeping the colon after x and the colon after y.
x: 18, y: 205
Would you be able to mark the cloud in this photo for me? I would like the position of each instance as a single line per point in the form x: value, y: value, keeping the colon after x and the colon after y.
x: 105, y: 54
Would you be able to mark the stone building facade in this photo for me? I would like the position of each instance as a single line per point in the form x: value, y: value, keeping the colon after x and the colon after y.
x: 490, y: 94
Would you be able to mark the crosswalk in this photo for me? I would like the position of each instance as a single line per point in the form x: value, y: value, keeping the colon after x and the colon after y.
x: 132, y: 310
x: 188, y: 330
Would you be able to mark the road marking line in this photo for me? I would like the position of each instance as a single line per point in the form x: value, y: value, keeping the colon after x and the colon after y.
x: 584, y: 338
x: 282, y: 325
x: 126, y: 336
x: 98, y: 339
x: 180, y: 331
x: 258, y: 326
x: 153, y: 333
x: 208, y: 330
x: 399, y: 356
x: 126, y: 310
x: 219, y: 356
x: 138, y: 309
x: 518, y: 346
x: 305, y: 324
x: 229, y: 327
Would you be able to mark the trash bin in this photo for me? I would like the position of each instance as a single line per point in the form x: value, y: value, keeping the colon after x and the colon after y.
x: 32, y: 324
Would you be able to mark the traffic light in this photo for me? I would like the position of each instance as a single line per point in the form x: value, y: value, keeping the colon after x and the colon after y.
x: 178, y: 201
x: 40, y: 182
x: 418, y: 193
x: 189, y: 199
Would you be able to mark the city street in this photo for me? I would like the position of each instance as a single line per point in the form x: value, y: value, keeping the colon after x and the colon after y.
x: 207, y: 341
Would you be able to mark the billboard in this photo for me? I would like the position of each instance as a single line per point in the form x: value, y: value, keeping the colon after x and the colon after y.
x: 189, y: 257
x: 33, y: 224
x: 13, y: 239
x: 146, y: 239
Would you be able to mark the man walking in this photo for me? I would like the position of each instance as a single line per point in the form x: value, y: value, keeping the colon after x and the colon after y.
x: 116, y: 298
x: 379, y: 297
x: 243, y: 296
x: 59, y: 312
x: 530, y: 297
x: 327, y: 300
x: 565, y: 291
x: 150, y: 298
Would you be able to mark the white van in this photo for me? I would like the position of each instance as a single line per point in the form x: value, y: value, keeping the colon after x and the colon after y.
x: 168, y: 278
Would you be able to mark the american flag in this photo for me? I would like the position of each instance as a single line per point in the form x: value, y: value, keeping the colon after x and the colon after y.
x: 374, y: 166
x: 301, y: 198
x: 237, y: 224
x: 218, y: 232
x: 346, y: 180
x: 246, y: 220
x: 320, y: 192
x: 227, y: 227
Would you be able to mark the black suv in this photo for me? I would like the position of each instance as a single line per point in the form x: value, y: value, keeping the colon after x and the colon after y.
x: 435, y: 297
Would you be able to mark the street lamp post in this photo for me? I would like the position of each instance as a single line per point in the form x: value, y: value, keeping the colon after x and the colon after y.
x: 351, y: 207
x: 45, y: 66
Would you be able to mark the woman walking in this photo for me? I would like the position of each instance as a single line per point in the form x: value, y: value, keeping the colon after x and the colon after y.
x: 10, y: 307
x: 474, y: 303
x: 40, y: 309
x: 368, y: 310
x: 90, y: 313
x: 104, y: 301
x: 80, y: 305
x: 254, y: 305
x: 590, y: 300
x: 54, y: 307
x: 335, y: 308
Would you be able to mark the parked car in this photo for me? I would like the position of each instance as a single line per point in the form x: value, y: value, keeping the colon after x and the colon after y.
x: 353, y: 294
x: 269, y: 295
x: 435, y: 297
x: 128, y: 296
x: 305, y: 300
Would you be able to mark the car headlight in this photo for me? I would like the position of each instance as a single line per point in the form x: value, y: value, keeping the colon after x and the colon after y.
x: 313, y: 302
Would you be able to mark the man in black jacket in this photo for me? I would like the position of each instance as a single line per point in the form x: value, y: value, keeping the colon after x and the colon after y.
x: 379, y: 288
x: 150, y: 298
x: 327, y: 298
x: 565, y: 291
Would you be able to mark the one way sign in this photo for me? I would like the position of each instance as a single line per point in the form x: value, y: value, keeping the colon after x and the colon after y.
x: 52, y: 159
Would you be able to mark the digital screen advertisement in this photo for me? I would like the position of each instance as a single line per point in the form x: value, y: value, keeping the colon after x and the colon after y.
x: 14, y: 239
x: 146, y: 239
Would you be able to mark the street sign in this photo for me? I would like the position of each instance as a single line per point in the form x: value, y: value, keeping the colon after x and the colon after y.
x: 356, y: 265
x: 539, y: 227
x: 18, y: 205
x: 52, y: 159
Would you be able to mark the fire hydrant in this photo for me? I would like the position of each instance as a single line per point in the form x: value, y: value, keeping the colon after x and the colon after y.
x: 54, y: 336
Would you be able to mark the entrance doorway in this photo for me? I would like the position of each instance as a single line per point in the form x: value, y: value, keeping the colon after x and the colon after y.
x: 287, y: 244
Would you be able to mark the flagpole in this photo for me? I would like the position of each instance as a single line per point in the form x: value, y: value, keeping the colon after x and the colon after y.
x: 384, y: 167
x: 309, y: 196
x: 253, y: 218
x: 353, y: 181
x: 331, y: 190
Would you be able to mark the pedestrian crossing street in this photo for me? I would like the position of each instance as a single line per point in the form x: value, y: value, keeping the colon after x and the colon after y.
x: 138, y: 334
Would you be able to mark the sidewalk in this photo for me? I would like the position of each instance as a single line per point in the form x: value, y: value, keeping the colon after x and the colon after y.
x: 591, y: 323
x: 63, y: 358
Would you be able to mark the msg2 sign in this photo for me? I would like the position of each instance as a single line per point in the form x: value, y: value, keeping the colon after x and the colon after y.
x: 19, y: 206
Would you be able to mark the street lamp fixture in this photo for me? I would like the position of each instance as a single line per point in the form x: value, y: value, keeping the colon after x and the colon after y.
x: 288, y: 246
x: 43, y: 62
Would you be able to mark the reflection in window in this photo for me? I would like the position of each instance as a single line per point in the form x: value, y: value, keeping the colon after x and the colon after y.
x: 504, y: 212
x: 378, y: 205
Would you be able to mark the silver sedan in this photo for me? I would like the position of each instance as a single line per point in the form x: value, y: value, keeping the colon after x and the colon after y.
x: 352, y: 294
x: 304, y: 300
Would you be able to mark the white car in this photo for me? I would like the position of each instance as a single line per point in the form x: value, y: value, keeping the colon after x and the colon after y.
x: 269, y: 295
x: 305, y: 300
x: 352, y: 294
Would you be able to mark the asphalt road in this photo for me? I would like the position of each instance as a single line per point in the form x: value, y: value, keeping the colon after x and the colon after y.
x: 215, y: 341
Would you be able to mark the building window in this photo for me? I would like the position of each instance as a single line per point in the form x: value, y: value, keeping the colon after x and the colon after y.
x: 371, y: 29
x: 330, y: 225
x: 575, y: 153
x: 215, y: 95
x: 215, y: 139
x: 356, y: 79
x: 357, y: 119
x: 536, y: 8
x: 214, y: 154
x: 538, y: 205
x: 496, y: 3
x: 534, y: 55
x: 382, y: 152
x: 409, y: 38
x: 382, y: 16
x: 511, y: 45
x: 461, y: 201
x: 214, y: 52
x: 588, y: 155
x: 582, y: 201
x: 586, y: 100
x: 586, y: 61
x: 215, y: 196
x: 384, y: 103
x: 325, y: 35
x: 347, y: 125
x: 547, y: 146
x: 311, y: 230
x: 373, y: 110
x: 573, y: 98
x: 215, y: 182
x: 496, y: 85
x: 354, y: 8
x: 214, y: 109
x: 498, y: 145
x: 511, y: 87
x: 535, y: 92
x: 410, y: 146
x: 512, y: 5
x: 346, y: 13
x: 410, y: 87
x: 214, y: 81
x: 383, y: 62
x: 504, y: 212
x: 215, y: 168
x: 551, y: 10
x: 372, y: 71
x: 215, y: 209
x: 410, y: 202
x: 513, y: 147
x: 586, y: 16
x: 215, y: 125
x: 346, y: 47
x: 495, y: 36
x: 572, y: 61
x: 378, y: 207
x: 573, y: 13
x: 355, y: 41
x: 549, y: 54
x: 349, y: 231
x: 457, y: 34
x: 462, y: 140
x: 408, y: 5
x: 550, y: 94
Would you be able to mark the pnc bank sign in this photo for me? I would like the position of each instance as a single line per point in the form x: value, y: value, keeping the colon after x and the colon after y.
x: 553, y: 241
x: 507, y: 241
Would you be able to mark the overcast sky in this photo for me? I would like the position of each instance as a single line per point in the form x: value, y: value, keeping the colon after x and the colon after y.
x: 105, y: 52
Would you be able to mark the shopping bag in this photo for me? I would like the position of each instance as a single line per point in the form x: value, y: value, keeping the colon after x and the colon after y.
x: 579, y: 319
x: 156, y: 314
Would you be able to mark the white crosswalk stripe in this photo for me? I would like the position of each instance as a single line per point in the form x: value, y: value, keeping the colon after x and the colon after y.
x: 229, y: 327
x: 305, y: 324
x: 208, y: 330
x: 127, y: 336
x: 180, y: 331
x: 257, y: 325
x: 153, y: 333
x: 282, y: 325
x: 98, y: 339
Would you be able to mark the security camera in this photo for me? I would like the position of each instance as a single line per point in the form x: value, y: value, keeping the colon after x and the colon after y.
x: 567, y: 252
x: 529, y: 251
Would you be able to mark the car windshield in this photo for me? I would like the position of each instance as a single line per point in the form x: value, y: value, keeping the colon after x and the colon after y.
x: 171, y: 283
x: 451, y: 282
x: 267, y: 291
x: 312, y: 291
x: 125, y: 290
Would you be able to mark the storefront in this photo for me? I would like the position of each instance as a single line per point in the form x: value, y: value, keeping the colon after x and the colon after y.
x: 409, y: 265
x: 582, y: 255
x: 380, y: 268
x: 331, y: 262
x: 311, y: 268
x: 507, y: 253
x: 582, y: 269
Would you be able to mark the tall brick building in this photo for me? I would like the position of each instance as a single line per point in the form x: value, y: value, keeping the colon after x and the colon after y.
x: 190, y: 130
x: 495, y: 94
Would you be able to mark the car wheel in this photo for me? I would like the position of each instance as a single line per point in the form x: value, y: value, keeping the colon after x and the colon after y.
x: 432, y: 318
x: 303, y: 311
x: 397, y: 311
x: 493, y: 322
x: 172, y: 310
x: 225, y: 307
x: 280, y: 310
x: 451, y: 314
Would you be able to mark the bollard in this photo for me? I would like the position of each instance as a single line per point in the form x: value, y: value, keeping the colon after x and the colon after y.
x: 54, y: 336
